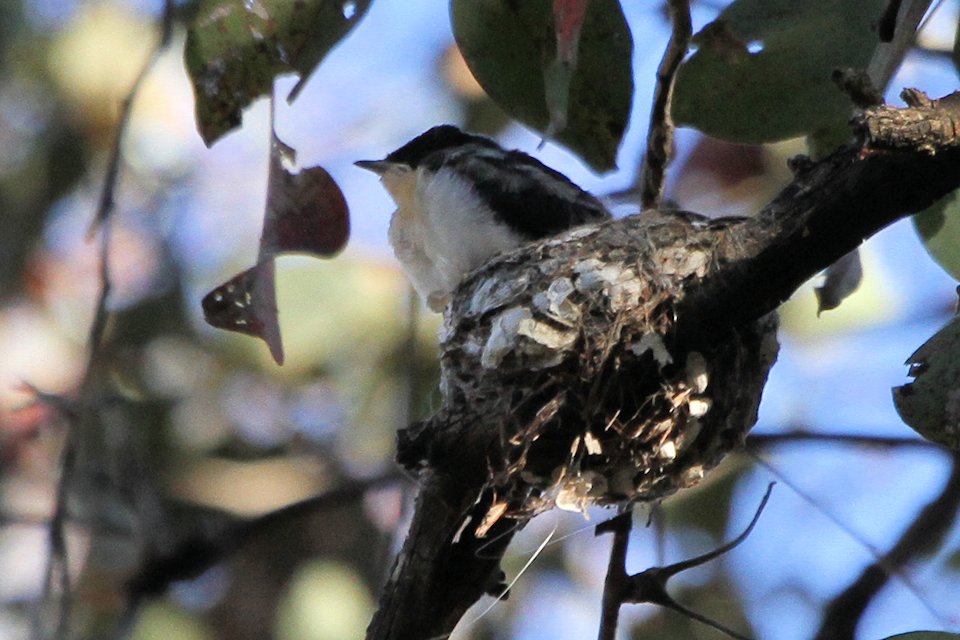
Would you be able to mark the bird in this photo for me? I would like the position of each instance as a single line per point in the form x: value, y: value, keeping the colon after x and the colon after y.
x: 462, y: 198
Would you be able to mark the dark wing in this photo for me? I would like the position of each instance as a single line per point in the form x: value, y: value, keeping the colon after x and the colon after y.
x: 524, y: 193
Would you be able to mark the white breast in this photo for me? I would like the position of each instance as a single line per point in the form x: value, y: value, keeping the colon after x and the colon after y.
x: 444, y: 231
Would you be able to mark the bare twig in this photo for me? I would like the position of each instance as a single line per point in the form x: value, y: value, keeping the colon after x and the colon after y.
x: 660, y: 132
x: 615, y: 584
x: 674, y: 569
x: 924, y: 534
x: 58, y: 559
x: 107, y: 202
x: 756, y: 441
x: 650, y: 586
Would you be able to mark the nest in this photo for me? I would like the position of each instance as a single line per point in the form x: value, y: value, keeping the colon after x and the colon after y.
x: 565, y: 385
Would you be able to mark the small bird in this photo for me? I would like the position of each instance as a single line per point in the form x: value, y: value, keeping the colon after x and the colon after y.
x: 462, y: 198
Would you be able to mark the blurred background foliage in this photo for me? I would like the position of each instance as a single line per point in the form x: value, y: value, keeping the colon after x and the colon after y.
x: 197, y: 431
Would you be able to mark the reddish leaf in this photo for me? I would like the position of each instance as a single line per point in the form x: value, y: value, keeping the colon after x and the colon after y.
x: 247, y: 303
x: 512, y: 53
x: 306, y: 211
x: 568, y: 18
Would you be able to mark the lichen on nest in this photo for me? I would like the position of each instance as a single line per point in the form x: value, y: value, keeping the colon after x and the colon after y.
x: 560, y: 365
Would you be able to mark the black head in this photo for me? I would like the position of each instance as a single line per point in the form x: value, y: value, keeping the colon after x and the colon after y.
x: 438, y: 138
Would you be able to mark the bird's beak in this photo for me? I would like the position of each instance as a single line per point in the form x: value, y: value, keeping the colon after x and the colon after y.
x: 379, y: 167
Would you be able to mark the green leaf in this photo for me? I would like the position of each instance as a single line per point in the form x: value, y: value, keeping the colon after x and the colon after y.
x: 235, y: 48
x: 931, y: 403
x: 939, y: 228
x: 509, y: 46
x: 763, y: 69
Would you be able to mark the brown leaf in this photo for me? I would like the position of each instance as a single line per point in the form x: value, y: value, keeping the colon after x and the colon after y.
x: 247, y: 303
x: 306, y: 211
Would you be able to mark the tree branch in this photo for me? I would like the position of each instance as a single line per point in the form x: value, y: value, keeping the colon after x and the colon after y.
x: 617, y: 583
x: 757, y: 441
x: 830, y: 208
x: 650, y: 585
x: 660, y: 131
x: 923, y: 535
x: 622, y: 361
x: 442, y: 568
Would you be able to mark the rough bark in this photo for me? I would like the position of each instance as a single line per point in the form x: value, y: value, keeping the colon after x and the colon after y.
x: 620, y: 362
x: 435, y: 580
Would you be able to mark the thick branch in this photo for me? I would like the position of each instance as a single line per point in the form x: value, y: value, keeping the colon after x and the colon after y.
x: 621, y: 362
x: 830, y: 208
x: 442, y: 568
